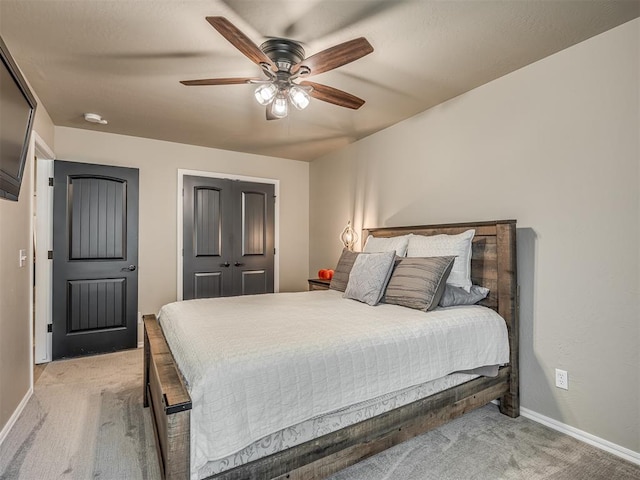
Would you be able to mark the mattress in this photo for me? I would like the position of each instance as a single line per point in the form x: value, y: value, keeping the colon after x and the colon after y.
x: 256, y: 365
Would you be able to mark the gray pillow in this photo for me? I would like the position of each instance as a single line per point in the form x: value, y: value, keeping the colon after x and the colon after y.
x: 369, y: 277
x: 418, y: 282
x: 453, y: 296
x: 342, y: 270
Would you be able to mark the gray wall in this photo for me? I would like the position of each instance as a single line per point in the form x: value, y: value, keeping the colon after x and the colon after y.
x: 15, y: 285
x: 554, y: 145
x: 15, y: 378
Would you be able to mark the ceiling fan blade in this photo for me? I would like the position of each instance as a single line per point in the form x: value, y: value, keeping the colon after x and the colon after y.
x: 335, y: 56
x: 333, y: 95
x: 217, y: 81
x: 239, y: 40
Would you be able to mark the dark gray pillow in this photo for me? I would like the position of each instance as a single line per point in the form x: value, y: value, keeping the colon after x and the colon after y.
x: 342, y: 270
x: 453, y: 296
x: 418, y: 282
x: 369, y: 277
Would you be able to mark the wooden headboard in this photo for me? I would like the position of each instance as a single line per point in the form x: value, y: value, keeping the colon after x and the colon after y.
x: 493, y: 265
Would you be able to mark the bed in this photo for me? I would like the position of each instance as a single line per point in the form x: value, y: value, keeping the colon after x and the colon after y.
x: 409, y: 408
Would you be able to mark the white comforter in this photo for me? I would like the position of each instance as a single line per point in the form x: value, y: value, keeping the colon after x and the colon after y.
x: 257, y: 364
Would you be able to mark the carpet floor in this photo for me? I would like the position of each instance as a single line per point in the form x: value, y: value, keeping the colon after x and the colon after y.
x: 85, y: 420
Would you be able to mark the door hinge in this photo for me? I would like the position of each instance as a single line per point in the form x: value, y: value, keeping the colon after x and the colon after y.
x: 51, y: 181
x: 274, y: 251
x: 50, y: 254
x: 50, y: 328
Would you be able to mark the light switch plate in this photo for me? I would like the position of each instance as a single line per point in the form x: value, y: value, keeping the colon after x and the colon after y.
x: 22, y: 257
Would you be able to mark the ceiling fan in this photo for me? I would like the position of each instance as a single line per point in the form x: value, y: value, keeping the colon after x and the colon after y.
x: 283, y: 61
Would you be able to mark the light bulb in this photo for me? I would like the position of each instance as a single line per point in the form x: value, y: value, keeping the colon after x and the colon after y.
x: 280, y: 106
x: 265, y: 93
x: 299, y: 97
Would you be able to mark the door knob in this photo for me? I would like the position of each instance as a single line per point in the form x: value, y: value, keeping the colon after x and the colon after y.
x: 130, y: 268
x: 225, y: 264
x: 238, y: 264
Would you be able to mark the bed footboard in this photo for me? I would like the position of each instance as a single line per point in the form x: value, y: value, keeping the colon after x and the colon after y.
x: 170, y: 403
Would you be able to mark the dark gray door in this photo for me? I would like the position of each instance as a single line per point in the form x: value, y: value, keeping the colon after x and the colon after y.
x: 95, y: 258
x: 228, y: 237
x: 253, y: 238
x: 207, y: 238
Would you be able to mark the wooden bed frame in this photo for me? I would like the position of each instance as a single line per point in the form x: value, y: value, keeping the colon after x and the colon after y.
x: 493, y: 265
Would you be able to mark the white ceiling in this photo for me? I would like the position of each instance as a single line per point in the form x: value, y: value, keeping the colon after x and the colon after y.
x: 123, y: 59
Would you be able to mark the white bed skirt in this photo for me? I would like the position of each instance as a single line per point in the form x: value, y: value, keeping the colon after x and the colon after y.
x: 316, y: 427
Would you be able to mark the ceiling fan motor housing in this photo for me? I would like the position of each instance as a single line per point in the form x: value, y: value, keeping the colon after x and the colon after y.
x: 284, y: 53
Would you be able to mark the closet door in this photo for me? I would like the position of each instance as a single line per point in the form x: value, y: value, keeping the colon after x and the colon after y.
x: 207, y: 228
x: 253, y: 238
x: 228, y: 237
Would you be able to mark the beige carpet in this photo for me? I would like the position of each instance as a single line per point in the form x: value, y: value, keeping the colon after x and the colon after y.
x: 86, y: 421
x: 486, y: 445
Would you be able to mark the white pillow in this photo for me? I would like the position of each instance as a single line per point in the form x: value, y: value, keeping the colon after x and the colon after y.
x: 384, y: 244
x: 445, y: 245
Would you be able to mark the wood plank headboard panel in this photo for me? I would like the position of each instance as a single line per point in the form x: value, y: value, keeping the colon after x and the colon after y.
x: 493, y: 265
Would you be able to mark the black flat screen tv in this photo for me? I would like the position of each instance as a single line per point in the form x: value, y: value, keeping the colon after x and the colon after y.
x: 17, y: 111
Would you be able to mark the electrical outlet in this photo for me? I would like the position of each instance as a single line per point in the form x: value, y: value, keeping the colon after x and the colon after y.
x: 562, y: 379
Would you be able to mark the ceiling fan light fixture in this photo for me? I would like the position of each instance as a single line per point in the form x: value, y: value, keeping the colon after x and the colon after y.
x: 299, y: 97
x: 266, y: 93
x: 282, y: 61
x: 280, y: 106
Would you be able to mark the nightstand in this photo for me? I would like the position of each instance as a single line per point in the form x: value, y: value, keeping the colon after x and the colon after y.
x: 318, y: 284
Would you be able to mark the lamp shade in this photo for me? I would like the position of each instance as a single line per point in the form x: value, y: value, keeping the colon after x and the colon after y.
x: 299, y: 98
x: 348, y: 237
x: 280, y: 106
x: 266, y: 93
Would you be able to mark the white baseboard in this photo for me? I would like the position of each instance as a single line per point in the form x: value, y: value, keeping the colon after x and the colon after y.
x: 602, y: 444
x: 16, y: 414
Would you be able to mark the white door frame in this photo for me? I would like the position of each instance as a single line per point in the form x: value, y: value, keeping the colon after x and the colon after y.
x: 228, y: 176
x: 42, y: 228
